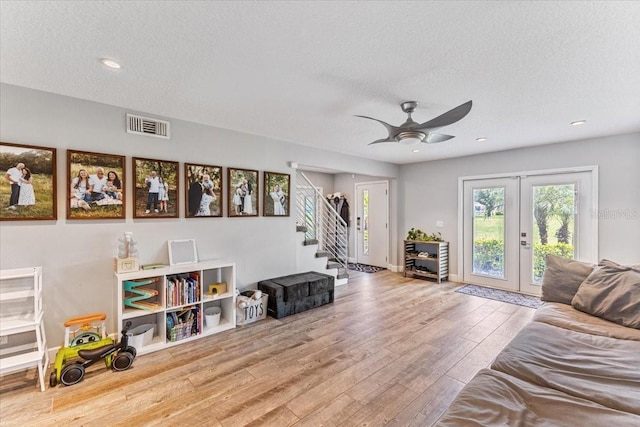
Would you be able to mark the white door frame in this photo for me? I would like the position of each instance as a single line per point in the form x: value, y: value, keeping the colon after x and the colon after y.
x: 594, y: 204
x: 354, y: 226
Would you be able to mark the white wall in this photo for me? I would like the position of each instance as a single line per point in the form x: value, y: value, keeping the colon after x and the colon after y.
x: 321, y: 180
x: 77, y: 256
x: 428, y: 191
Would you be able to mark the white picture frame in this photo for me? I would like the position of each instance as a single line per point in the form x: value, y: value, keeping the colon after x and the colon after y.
x: 182, y: 252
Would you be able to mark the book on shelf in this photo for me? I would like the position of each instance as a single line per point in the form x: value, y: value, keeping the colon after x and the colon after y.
x: 183, y: 289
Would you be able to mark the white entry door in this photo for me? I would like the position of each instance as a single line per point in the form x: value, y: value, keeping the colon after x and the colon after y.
x: 372, y: 223
x: 510, y: 224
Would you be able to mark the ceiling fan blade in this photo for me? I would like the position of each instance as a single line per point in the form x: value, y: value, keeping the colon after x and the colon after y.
x: 391, y: 129
x: 378, y: 141
x: 433, y: 138
x: 447, y: 118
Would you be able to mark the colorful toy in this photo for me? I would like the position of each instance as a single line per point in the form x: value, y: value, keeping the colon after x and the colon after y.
x: 117, y: 356
x: 89, y: 333
x: 140, y: 294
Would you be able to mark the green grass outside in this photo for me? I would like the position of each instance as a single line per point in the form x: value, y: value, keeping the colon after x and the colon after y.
x: 493, y: 228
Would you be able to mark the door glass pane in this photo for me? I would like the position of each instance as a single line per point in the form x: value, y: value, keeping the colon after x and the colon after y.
x: 488, y: 231
x: 365, y: 222
x: 554, y: 221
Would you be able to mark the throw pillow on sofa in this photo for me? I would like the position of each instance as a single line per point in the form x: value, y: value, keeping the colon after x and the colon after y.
x: 612, y: 292
x: 562, y: 277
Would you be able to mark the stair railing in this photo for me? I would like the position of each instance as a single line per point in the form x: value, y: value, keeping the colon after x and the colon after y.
x: 321, y: 221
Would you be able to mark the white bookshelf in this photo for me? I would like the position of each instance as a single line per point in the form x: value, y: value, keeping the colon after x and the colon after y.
x: 158, y: 308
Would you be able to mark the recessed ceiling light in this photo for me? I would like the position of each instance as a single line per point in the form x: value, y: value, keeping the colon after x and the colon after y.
x: 110, y: 63
x: 578, y: 122
x: 415, y: 150
x: 481, y: 139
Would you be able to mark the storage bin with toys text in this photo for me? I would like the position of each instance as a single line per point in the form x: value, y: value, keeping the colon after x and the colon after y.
x: 251, y: 306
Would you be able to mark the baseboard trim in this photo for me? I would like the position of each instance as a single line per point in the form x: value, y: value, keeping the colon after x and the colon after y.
x: 394, y: 268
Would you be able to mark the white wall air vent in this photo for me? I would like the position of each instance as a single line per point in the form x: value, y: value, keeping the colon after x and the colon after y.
x: 147, y: 126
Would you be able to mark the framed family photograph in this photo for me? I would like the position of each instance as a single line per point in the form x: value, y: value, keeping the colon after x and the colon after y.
x: 28, y: 187
x: 242, y: 192
x: 95, y: 185
x: 156, y: 188
x: 203, y: 190
x: 276, y: 194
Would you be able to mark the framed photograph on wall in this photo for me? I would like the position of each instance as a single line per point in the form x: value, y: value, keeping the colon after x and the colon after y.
x: 156, y: 188
x: 277, y: 187
x: 242, y: 185
x: 28, y: 187
x: 203, y: 191
x: 95, y: 185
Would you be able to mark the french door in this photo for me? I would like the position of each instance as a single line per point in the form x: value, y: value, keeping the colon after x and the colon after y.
x: 511, y: 223
x: 372, y: 232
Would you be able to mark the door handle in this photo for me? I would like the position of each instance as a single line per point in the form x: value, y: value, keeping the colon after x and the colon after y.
x: 525, y: 244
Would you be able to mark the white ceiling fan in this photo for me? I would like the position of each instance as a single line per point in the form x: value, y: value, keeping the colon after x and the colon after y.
x: 410, y: 132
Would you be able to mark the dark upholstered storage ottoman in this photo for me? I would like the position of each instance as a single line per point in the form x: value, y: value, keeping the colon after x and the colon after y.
x: 298, y: 292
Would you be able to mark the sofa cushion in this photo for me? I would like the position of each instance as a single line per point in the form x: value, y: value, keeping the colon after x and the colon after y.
x: 562, y: 277
x: 597, y: 368
x: 612, y: 292
x: 567, y: 317
x: 493, y: 398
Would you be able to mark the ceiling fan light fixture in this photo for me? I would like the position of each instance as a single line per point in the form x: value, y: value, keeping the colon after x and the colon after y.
x: 410, y: 138
x: 415, y: 150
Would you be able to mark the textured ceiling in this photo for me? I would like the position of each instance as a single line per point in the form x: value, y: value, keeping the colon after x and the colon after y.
x: 300, y: 71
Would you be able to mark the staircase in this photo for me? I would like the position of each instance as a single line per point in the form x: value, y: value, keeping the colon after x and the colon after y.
x: 323, y: 234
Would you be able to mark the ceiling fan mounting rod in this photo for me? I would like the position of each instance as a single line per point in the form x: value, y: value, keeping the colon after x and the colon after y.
x: 409, y: 107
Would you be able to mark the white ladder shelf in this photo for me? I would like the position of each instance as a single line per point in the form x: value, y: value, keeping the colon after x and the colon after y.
x: 21, y: 322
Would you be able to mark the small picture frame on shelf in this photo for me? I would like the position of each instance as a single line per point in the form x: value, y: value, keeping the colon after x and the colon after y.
x: 29, y: 191
x: 95, y: 185
x: 203, y: 190
x: 276, y: 194
x: 182, y: 252
x: 242, y: 192
x: 155, y: 188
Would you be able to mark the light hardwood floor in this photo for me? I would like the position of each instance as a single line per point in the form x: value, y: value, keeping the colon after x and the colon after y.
x: 390, y: 351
